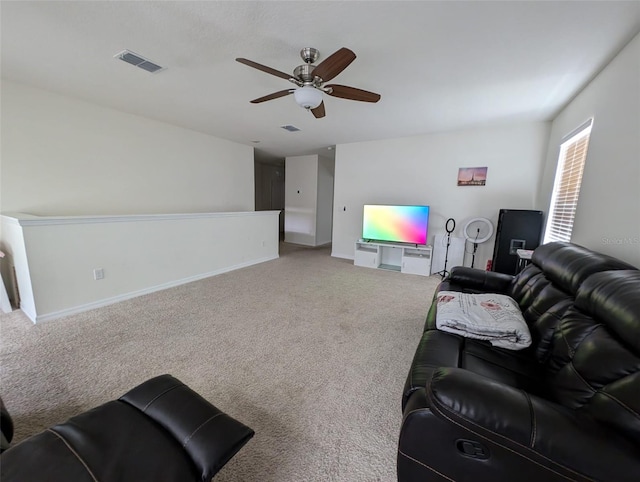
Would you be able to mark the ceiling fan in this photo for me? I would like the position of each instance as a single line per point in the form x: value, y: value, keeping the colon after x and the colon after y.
x: 310, y: 80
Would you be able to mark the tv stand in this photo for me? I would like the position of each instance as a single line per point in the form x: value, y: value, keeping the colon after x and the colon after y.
x: 405, y: 258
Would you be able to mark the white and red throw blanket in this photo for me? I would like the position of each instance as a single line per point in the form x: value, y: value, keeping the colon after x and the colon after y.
x: 493, y: 317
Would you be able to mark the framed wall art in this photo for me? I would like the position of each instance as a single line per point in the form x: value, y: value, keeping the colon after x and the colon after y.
x: 472, y: 176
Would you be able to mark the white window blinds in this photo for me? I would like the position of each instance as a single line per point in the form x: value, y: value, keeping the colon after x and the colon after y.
x: 566, y: 188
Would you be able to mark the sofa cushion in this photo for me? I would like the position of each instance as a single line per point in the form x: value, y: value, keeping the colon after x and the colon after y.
x: 517, y: 369
x: 439, y: 349
x: 547, y: 287
x: 595, y: 362
x: 542, y: 304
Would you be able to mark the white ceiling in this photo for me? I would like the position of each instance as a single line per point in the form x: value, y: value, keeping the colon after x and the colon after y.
x: 438, y: 65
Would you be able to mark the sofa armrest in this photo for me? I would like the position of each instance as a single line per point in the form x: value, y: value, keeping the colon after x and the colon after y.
x: 480, y: 280
x: 209, y: 436
x: 531, y: 426
x: 6, y: 427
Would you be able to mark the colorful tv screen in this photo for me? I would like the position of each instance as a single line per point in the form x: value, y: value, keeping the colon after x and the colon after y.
x: 399, y: 224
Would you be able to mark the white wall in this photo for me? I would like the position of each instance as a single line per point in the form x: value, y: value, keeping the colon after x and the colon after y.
x: 13, y: 245
x: 308, y: 200
x: 300, y: 199
x: 423, y: 170
x: 62, y: 156
x: 139, y: 254
x: 608, y: 213
x: 324, y: 215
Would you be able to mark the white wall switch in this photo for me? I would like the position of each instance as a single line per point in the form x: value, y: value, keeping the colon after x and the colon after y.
x: 98, y: 273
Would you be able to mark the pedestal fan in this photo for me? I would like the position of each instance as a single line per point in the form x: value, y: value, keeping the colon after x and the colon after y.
x: 477, y: 231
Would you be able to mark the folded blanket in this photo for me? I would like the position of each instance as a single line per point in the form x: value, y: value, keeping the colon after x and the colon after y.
x: 493, y: 317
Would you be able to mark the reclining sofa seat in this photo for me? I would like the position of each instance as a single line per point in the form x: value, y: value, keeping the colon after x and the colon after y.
x: 160, y: 430
x: 566, y: 408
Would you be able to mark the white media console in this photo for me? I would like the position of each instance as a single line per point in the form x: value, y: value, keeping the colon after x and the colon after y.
x: 406, y: 258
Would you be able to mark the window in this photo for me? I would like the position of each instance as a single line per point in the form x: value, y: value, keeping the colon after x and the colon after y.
x: 566, y: 187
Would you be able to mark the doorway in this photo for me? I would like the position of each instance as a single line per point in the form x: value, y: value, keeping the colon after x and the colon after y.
x: 269, y: 188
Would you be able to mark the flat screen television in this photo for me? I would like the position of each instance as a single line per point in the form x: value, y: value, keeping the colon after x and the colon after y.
x: 398, y: 224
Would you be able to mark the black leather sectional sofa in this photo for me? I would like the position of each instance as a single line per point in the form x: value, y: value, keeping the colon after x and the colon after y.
x: 159, y: 431
x: 566, y: 408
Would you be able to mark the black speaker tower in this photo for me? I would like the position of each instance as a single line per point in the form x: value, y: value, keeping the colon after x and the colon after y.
x: 517, y: 229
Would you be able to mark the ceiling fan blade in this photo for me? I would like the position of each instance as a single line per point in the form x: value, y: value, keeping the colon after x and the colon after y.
x: 334, y: 64
x: 264, y: 68
x: 275, y: 95
x: 351, y: 93
x: 318, y: 112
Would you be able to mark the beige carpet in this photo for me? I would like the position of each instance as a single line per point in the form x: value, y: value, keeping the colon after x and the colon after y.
x: 308, y: 350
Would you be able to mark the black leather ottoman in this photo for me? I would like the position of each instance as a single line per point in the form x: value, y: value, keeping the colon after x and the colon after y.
x: 159, y: 431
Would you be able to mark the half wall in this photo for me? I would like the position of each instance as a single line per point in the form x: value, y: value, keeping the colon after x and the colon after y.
x: 56, y: 259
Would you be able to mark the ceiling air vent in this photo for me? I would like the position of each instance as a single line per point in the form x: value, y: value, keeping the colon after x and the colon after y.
x: 139, y: 61
x: 290, y: 128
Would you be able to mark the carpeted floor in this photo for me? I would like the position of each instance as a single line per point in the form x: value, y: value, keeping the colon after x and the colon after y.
x: 308, y: 350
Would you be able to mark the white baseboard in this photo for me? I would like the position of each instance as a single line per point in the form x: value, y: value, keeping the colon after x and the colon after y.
x: 343, y: 256
x: 30, y: 314
x: 134, y: 294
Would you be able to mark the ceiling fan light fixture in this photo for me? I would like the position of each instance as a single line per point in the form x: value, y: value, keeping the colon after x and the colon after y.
x: 308, y: 97
x: 309, y: 80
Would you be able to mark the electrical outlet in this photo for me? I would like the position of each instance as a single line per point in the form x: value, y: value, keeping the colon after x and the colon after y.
x: 98, y: 274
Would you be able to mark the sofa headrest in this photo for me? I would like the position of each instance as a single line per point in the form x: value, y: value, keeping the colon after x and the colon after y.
x: 567, y: 265
x: 543, y: 251
x: 613, y: 299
